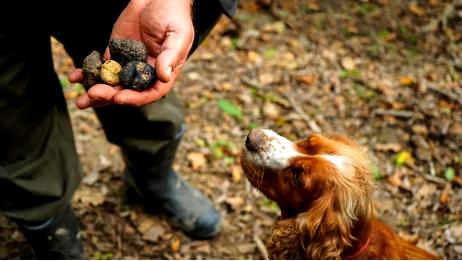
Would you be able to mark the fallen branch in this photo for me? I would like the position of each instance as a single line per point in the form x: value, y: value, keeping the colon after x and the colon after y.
x: 447, y: 94
x: 261, y: 247
x: 310, y: 122
x: 396, y: 113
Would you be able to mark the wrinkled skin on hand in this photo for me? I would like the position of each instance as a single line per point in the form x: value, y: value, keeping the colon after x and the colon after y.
x: 166, y: 29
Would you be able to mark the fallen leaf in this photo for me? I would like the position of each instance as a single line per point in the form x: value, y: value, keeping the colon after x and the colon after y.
x: 449, y: 174
x: 270, y: 110
x: 395, y: 179
x: 175, y: 244
x: 404, y: 157
x: 235, y: 203
x: 348, y: 63
x: 145, y: 224
x: 457, y: 180
x: 444, y: 196
x: 89, y: 196
x: 406, y: 80
x: 236, y: 174
x: 308, y: 79
x: 416, y: 9
x: 196, y: 159
x: 254, y: 57
x: 91, y: 178
x: 394, y: 147
x: 154, y: 233
x: 312, y: 5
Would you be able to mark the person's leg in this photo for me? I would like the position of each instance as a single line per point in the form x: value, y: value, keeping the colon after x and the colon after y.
x: 39, y: 167
x: 150, y: 135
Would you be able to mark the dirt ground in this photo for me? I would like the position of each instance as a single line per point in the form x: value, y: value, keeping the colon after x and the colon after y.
x: 385, y: 72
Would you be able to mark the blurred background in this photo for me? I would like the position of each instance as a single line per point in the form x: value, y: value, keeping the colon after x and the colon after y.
x: 384, y: 72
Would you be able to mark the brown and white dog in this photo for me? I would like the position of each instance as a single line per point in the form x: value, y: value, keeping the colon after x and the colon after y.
x: 324, y: 190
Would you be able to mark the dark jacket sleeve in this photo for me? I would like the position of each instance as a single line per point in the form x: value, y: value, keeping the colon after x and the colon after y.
x: 229, y: 7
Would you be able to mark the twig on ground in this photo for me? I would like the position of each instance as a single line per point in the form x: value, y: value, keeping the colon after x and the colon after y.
x: 447, y: 94
x: 311, y: 123
x: 396, y: 113
x: 261, y: 247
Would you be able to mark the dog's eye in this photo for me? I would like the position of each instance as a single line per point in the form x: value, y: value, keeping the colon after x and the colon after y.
x: 297, y: 174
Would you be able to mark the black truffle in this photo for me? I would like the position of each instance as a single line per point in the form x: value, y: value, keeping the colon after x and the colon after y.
x: 137, y: 75
x: 127, y: 50
x: 91, y: 69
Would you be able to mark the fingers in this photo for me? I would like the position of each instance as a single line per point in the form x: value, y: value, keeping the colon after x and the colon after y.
x: 76, y: 76
x: 97, y: 95
x: 139, y: 98
x: 174, y: 52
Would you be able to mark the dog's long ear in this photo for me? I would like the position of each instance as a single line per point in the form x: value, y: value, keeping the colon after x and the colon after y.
x: 326, y: 229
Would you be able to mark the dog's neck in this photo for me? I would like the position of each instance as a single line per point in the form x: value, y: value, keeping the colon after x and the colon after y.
x: 361, y: 231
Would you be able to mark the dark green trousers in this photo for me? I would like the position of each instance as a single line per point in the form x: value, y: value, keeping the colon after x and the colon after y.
x: 39, y: 166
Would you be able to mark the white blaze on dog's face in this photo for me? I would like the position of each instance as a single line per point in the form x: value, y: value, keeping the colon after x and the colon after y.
x: 273, y: 151
x: 297, y: 173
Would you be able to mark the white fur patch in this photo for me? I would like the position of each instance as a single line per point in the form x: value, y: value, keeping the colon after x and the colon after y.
x: 338, y: 161
x: 276, y: 152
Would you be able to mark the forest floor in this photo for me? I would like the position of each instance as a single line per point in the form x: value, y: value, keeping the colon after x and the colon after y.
x: 385, y: 72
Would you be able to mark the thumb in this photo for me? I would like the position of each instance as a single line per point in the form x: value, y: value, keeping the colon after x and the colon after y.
x: 173, y: 54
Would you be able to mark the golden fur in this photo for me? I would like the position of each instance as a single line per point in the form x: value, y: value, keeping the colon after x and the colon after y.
x: 329, y: 214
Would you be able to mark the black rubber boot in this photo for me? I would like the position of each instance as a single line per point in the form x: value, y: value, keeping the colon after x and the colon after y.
x: 163, y: 190
x: 57, y: 239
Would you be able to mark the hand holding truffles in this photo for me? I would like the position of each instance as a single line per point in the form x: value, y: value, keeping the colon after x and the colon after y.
x: 127, y: 66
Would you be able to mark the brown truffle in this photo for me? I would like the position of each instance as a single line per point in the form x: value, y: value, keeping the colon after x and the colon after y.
x: 110, y: 71
x: 91, y: 69
x: 137, y: 75
x: 127, y: 50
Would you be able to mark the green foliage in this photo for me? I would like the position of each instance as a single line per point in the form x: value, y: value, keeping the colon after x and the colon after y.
x: 253, y: 125
x: 270, y: 52
x: 350, y: 74
x: 376, y: 173
x: 64, y: 82
x: 102, y: 256
x: 269, y: 205
x: 366, y: 8
x: 221, y: 149
x: 231, y: 109
x: 234, y: 42
x: 363, y: 92
x: 449, y: 174
x: 79, y: 88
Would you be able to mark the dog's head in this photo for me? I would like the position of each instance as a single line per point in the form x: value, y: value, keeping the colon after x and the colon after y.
x: 322, y: 185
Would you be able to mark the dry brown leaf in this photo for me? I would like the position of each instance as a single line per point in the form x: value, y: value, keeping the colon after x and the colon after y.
x: 254, y: 57
x: 348, y: 63
x: 175, y: 244
x: 89, y: 196
x: 457, y: 180
x: 406, y: 80
x: 394, y: 147
x: 444, y: 196
x: 236, y: 203
x: 145, y: 223
x: 197, y: 160
x: 308, y: 79
x: 236, y: 174
x: 270, y: 110
x: 154, y: 233
x: 395, y: 179
x: 416, y: 9
x: 312, y: 5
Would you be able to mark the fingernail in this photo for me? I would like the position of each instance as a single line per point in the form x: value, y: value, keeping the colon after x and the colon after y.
x: 169, y: 70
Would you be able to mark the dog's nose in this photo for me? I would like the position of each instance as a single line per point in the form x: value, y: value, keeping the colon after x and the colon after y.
x: 254, y: 140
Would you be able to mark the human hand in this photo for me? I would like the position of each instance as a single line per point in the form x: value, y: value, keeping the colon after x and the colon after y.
x: 166, y: 28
